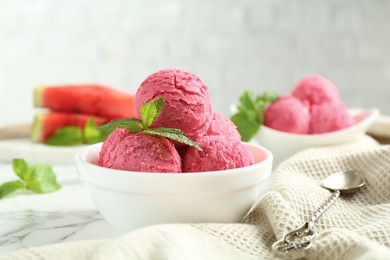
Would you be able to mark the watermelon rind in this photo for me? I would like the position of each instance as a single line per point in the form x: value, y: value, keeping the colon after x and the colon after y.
x: 36, y: 129
x: 38, y: 92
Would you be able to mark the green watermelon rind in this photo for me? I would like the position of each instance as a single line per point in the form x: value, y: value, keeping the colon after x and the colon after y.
x: 38, y: 92
x: 36, y: 129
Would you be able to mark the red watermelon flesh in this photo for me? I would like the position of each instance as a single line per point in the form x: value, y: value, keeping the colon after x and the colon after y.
x: 86, y: 99
x: 46, y: 124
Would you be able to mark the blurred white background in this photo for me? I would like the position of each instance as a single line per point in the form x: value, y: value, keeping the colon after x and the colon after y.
x: 231, y: 45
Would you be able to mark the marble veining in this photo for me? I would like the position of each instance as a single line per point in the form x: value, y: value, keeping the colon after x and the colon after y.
x: 29, y: 228
x: 28, y: 219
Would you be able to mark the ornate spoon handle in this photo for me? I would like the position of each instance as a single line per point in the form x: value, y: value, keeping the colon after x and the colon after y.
x: 329, y: 202
x: 295, y: 244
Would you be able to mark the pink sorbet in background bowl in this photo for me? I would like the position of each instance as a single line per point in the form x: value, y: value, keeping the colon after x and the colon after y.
x: 131, y: 199
x: 315, y: 90
x: 288, y: 114
x: 312, y: 115
x: 329, y: 117
x: 283, y: 144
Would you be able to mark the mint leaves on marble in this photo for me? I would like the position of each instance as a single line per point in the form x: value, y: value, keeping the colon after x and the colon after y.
x: 250, y: 112
x: 149, y: 113
x: 72, y: 135
x: 38, y: 178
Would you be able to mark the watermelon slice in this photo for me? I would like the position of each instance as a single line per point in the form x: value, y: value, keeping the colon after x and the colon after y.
x: 85, y: 99
x: 46, y: 124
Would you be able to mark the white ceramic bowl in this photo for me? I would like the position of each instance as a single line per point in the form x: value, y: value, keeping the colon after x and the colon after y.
x: 130, y: 200
x: 283, y: 145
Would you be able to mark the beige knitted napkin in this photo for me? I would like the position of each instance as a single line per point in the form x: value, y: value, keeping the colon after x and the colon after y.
x: 355, y: 227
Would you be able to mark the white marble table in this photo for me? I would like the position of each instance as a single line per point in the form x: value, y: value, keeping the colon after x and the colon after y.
x: 28, y: 219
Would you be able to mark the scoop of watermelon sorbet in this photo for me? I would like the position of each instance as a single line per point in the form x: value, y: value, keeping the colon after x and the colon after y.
x: 222, y: 148
x: 288, y: 114
x: 187, y: 104
x: 222, y: 125
x: 139, y: 152
x: 316, y: 89
x: 219, y: 153
x: 329, y: 117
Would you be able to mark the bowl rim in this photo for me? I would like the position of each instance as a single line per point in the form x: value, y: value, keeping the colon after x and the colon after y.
x: 81, y: 159
x: 373, y: 113
x: 158, y: 184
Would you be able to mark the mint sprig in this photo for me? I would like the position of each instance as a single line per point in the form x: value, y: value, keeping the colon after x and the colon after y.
x: 149, y: 113
x: 72, y: 135
x: 174, y: 134
x: 250, y: 112
x: 10, y: 187
x: 38, y: 178
x: 66, y: 136
x: 90, y: 134
x: 132, y: 124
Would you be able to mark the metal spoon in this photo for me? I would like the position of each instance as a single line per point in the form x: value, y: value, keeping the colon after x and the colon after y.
x: 297, y: 243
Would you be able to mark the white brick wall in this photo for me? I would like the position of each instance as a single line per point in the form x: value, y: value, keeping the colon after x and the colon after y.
x: 231, y: 45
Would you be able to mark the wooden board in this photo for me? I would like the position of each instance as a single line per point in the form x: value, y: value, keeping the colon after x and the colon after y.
x: 15, y: 131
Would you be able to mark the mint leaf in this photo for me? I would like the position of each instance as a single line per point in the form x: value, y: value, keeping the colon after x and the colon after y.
x: 10, y: 187
x: 43, y: 179
x: 250, y: 113
x: 246, y: 126
x: 43, y: 187
x: 150, y: 111
x: 91, y: 134
x: 248, y: 101
x: 66, y: 136
x: 21, y: 168
x: 132, y: 124
x: 91, y: 123
x: 174, y: 134
x: 41, y: 172
x: 38, y: 178
x: 269, y: 96
x: 72, y: 135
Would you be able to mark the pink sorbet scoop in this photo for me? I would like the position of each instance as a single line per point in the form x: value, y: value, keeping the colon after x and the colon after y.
x: 222, y: 125
x: 187, y: 103
x: 288, y: 114
x: 218, y: 153
x: 139, y: 152
x: 329, y: 117
x: 315, y: 89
